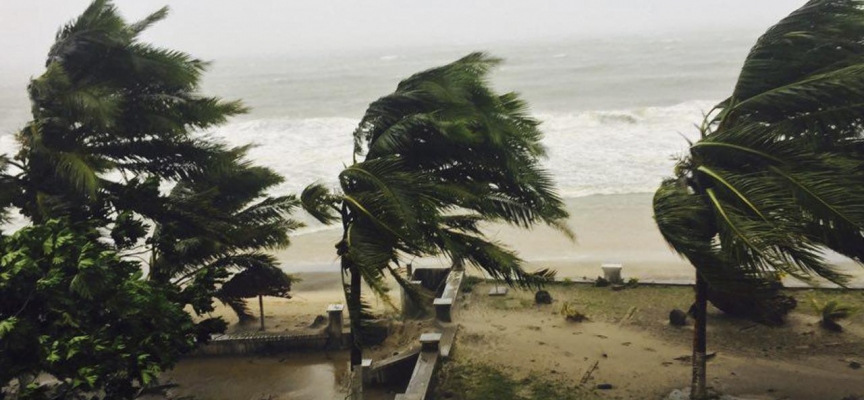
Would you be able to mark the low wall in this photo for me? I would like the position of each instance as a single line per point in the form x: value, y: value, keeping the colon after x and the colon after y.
x: 435, y: 346
x: 333, y: 336
x: 262, y: 344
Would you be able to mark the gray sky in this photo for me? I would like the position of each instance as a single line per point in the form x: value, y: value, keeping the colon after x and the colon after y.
x: 226, y: 28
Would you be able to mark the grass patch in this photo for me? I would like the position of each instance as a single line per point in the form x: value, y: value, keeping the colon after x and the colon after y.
x: 469, y: 281
x: 473, y: 381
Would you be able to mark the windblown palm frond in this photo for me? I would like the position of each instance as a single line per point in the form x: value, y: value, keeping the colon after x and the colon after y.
x: 777, y: 178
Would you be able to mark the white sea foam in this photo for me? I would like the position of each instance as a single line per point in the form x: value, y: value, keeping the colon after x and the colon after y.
x: 591, y: 152
x: 611, y: 152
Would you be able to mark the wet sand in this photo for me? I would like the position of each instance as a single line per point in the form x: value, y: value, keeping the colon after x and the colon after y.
x: 610, y: 228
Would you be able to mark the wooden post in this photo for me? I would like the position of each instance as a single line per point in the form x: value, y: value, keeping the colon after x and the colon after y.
x: 261, y: 310
x: 698, y: 390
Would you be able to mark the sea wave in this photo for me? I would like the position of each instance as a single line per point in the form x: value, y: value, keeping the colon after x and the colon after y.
x: 589, y: 152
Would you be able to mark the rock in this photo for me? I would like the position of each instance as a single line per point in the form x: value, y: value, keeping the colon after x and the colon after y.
x: 542, y: 297
x: 854, y: 365
x: 319, y: 321
x: 617, y: 288
x: 770, y: 309
x: 605, y: 386
x: 677, y: 317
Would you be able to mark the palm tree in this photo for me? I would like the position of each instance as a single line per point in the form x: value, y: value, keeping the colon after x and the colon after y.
x: 443, y: 153
x: 777, y: 176
x: 235, y: 224
x: 109, y: 109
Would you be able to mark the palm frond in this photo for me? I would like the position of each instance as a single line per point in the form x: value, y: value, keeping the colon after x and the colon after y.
x: 149, y: 20
x: 317, y: 200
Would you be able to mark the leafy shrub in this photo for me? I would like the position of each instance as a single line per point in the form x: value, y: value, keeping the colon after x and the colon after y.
x: 570, y: 313
x: 831, y: 312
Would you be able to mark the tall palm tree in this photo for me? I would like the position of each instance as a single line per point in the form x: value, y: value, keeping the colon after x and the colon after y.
x: 777, y: 176
x: 441, y: 154
x: 110, y: 108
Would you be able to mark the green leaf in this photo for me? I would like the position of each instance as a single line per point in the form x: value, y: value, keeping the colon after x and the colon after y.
x: 7, y: 325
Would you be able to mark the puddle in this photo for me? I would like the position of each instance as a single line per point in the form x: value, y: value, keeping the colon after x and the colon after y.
x: 314, y: 376
x: 289, y: 376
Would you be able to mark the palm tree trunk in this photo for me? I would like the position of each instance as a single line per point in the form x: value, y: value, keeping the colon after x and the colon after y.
x: 261, y: 309
x: 354, y: 311
x: 698, y: 389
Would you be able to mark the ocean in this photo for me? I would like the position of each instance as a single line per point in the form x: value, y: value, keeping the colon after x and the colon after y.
x: 614, y: 110
x: 615, y: 113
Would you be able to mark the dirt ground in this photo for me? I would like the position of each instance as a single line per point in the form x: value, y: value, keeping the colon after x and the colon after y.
x: 629, y: 340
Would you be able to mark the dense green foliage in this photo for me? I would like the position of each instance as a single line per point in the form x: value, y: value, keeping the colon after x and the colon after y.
x: 441, y: 155
x: 73, y: 309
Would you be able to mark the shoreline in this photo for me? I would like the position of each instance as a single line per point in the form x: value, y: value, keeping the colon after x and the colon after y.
x: 610, y: 228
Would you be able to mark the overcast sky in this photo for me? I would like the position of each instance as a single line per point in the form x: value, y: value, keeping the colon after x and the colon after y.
x: 226, y: 28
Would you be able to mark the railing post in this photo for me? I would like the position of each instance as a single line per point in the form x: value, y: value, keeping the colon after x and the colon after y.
x: 334, y: 325
x: 430, y: 341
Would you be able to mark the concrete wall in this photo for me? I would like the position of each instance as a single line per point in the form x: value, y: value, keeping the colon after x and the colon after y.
x: 334, y: 336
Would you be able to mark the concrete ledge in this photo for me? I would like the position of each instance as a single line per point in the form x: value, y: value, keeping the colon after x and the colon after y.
x: 256, y: 344
x: 430, y: 341
x: 334, y: 336
x: 421, y: 379
x: 397, y: 368
x: 435, y: 345
x: 498, y: 291
x: 443, y: 309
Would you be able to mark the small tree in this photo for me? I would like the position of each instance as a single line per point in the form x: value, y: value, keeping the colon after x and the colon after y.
x: 831, y: 312
x: 72, y: 308
x: 255, y: 282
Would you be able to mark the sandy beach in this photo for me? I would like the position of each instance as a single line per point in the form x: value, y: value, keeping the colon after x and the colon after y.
x: 610, y: 229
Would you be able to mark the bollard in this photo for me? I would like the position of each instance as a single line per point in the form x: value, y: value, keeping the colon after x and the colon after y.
x: 334, y: 326
x: 430, y: 341
x: 612, y: 273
